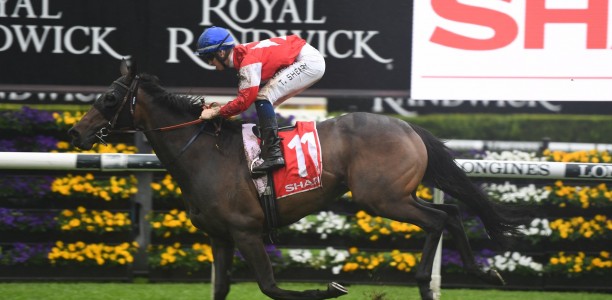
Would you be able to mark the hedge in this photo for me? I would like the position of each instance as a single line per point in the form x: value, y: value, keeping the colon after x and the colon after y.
x: 510, y: 127
x: 518, y: 127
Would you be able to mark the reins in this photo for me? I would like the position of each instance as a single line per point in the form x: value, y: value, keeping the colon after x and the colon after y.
x: 186, y: 124
x: 132, y: 92
x: 172, y: 127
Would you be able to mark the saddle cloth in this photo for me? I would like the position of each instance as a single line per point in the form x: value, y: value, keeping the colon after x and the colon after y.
x: 303, y: 162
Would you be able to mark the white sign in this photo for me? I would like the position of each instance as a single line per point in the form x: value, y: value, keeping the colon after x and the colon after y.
x: 512, y: 50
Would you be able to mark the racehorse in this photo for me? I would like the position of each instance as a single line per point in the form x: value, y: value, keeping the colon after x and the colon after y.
x: 380, y: 159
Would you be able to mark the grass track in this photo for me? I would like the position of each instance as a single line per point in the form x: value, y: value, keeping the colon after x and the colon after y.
x: 249, y: 291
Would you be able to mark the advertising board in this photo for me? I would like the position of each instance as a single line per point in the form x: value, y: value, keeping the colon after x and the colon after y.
x: 63, y: 45
x: 409, y: 107
x: 552, y: 50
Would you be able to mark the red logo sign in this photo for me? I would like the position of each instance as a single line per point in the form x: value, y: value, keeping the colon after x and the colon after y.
x: 506, y: 28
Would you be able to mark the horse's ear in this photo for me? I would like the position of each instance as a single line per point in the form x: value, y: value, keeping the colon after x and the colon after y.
x: 124, y: 67
x: 132, y: 67
x: 128, y: 67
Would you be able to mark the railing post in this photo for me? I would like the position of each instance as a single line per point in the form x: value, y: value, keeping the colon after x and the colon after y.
x: 142, y: 206
x: 436, y: 276
x: 544, y: 146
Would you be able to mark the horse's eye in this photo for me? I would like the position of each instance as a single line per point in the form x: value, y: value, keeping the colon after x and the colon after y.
x: 110, y: 100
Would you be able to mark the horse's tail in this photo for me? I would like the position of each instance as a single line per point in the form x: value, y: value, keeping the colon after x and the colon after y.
x: 500, y: 221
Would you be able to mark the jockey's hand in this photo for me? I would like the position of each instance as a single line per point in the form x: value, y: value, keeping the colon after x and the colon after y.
x: 209, y: 113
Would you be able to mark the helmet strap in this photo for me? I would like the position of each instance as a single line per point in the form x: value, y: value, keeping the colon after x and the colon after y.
x: 223, y: 58
x: 220, y: 58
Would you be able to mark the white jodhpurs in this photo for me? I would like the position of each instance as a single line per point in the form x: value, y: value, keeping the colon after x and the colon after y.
x: 307, y: 69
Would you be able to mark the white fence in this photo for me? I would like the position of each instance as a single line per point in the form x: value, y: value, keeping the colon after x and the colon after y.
x: 149, y: 162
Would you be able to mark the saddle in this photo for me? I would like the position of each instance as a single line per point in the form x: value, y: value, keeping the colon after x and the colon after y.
x: 302, y: 170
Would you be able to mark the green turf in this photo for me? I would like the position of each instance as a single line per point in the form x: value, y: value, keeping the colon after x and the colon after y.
x: 249, y: 291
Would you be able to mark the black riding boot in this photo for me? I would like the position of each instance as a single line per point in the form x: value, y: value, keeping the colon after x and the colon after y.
x: 270, y: 146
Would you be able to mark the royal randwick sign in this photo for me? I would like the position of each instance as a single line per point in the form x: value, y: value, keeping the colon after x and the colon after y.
x: 287, y: 17
x: 79, y: 43
x: 406, y: 106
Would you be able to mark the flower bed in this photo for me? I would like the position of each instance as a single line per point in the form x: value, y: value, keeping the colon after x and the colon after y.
x: 60, y: 261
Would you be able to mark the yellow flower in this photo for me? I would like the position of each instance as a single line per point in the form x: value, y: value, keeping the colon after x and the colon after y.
x: 62, y: 145
x: 75, y: 223
x: 104, y: 195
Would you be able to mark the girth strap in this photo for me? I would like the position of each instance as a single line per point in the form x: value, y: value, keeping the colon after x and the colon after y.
x: 268, y: 204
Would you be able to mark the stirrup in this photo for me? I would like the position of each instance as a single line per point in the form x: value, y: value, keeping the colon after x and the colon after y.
x: 269, y: 165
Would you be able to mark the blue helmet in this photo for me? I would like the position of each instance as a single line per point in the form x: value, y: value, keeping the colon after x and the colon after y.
x: 214, y: 39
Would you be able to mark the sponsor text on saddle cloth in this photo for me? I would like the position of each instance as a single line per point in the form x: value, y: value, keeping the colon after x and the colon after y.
x: 303, y: 162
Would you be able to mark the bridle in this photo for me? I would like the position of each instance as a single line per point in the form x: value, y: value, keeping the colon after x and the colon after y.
x: 130, y: 92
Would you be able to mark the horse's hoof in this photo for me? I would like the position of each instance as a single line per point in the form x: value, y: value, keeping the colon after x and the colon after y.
x: 492, y: 277
x: 427, y: 295
x: 425, y: 290
x: 335, y: 290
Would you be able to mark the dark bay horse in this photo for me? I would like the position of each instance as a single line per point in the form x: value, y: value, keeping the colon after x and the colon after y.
x: 380, y: 159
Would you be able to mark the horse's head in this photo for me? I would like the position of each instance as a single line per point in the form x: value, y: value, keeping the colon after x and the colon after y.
x: 110, y: 111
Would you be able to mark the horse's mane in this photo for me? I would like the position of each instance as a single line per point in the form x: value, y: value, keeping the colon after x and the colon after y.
x: 177, y: 102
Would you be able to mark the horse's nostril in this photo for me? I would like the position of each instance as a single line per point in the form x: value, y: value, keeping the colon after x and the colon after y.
x: 73, y: 133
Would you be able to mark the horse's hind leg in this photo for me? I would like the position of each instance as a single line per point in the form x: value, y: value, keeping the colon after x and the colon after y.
x: 455, y: 227
x: 223, y: 254
x: 252, y: 249
x: 432, y: 221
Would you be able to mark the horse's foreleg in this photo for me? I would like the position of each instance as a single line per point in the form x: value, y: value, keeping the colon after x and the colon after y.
x: 223, y: 254
x: 253, y: 250
x: 457, y: 231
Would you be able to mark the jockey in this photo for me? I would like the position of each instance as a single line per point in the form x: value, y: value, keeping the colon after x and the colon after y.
x: 283, y: 66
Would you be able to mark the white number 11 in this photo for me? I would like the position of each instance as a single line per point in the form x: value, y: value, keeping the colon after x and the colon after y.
x: 296, y: 143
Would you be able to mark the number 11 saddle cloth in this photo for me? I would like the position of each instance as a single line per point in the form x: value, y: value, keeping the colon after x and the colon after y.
x: 303, y: 162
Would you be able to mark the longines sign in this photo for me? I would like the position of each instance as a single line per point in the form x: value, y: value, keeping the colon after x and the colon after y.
x: 542, y: 170
x: 80, y: 43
